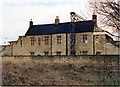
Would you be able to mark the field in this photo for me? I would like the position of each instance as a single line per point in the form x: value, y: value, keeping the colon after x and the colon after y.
x: 58, y: 71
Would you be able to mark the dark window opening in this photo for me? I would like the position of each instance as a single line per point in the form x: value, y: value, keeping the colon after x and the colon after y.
x: 58, y: 53
x: 73, y: 53
x: 84, y: 38
x: 32, y: 53
x: 46, y: 53
x: 59, y: 39
x: 83, y: 52
x: 21, y: 42
x: 98, y: 53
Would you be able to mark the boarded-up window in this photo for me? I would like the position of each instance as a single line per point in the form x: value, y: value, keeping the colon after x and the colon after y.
x: 47, y: 40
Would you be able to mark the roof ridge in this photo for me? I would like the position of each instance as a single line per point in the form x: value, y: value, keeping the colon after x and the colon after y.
x: 62, y: 23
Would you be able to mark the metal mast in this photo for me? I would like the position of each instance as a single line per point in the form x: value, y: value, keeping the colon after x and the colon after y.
x: 74, y: 18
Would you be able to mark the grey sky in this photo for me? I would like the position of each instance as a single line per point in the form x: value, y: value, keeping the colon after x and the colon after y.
x: 16, y: 14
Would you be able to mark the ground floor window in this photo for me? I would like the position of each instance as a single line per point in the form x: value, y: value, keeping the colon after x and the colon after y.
x: 73, y: 52
x: 83, y: 52
x: 98, y: 53
x: 46, y: 53
x: 58, y: 53
x: 32, y: 53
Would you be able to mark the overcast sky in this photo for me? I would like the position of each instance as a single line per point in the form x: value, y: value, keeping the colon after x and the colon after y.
x: 16, y: 14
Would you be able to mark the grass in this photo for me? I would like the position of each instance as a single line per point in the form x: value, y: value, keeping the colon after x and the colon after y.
x: 53, y: 71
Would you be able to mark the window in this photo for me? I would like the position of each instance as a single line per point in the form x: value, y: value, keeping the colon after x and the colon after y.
x: 58, y: 53
x: 46, y: 53
x: 97, y: 36
x: 83, y: 52
x: 32, y: 40
x: 73, y: 52
x: 98, y: 53
x: 47, y: 40
x: 39, y: 41
x: 21, y: 42
x: 32, y: 53
x: 84, y: 38
x: 59, y: 39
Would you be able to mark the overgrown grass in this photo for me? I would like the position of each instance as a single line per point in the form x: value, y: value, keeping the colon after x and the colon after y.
x: 57, y: 71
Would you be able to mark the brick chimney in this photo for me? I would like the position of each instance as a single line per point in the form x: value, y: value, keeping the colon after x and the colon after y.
x: 57, y: 21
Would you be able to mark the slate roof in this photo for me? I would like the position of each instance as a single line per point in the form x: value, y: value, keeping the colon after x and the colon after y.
x: 46, y: 29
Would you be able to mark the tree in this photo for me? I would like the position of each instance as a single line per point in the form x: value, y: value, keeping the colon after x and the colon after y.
x: 108, y: 10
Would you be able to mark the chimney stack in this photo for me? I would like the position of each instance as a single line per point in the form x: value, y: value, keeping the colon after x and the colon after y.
x: 57, y: 21
x: 94, y: 18
x: 30, y: 23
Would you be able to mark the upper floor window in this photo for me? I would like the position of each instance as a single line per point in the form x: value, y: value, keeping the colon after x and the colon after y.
x: 59, y: 39
x: 32, y: 40
x: 47, y: 40
x: 39, y: 41
x: 21, y: 42
x: 84, y: 38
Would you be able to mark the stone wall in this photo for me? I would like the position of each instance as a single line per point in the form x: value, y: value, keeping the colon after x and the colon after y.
x: 5, y: 50
x: 94, y: 44
x: 87, y: 46
x: 100, y: 43
x: 52, y: 46
x: 108, y: 59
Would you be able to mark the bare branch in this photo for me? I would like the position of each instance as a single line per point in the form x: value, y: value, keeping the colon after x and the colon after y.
x: 109, y: 10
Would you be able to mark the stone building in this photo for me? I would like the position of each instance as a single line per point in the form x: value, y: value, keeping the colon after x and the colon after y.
x: 55, y: 39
